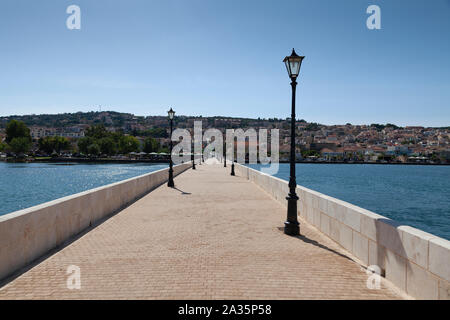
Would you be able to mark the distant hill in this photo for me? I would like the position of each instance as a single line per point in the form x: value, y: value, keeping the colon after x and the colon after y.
x: 118, y: 119
x: 69, y: 119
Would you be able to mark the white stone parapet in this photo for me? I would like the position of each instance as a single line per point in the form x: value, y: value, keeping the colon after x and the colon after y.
x: 415, y: 261
x: 28, y: 234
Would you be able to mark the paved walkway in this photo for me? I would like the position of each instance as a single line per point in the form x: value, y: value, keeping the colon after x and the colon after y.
x: 214, y: 237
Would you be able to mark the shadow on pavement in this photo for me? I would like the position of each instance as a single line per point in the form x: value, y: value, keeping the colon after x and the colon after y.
x: 182, y: 192
x: 317, y: 244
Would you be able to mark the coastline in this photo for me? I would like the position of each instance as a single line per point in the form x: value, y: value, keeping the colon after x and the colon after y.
x: 362, y: 162
x: 166, y: 160
x: 89, y: 160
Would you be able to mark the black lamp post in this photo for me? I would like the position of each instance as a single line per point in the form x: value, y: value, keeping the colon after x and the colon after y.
x: 232, y: 161
x: 171, y: 114
x: 291, y: 226
x: 193, y: 157
x: 225, y: 156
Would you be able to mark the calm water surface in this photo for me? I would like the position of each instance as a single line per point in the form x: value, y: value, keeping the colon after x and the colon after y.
x: 412, y: 195
x: 418, y: 196
x: 24, y: 185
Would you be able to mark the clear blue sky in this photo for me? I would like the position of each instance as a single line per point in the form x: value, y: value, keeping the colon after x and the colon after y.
x: 224, y: 57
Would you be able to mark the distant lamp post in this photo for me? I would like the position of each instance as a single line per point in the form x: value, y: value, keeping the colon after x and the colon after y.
x: 232, y: 160
x: 171, y: 114
x: 291, y: 226
x: 232, y: 167
x: 193, y: 156
x: 225, y: 156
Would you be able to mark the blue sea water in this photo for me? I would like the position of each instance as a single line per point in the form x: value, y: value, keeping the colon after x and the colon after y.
x: 412, y: 195
x: 418, y: 196
x: 24, y: 185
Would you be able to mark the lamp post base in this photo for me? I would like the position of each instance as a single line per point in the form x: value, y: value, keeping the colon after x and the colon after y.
x: 291, y: 226
x: 170, y: 183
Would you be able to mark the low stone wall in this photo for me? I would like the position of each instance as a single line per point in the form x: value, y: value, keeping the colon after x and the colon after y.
x: 28, y: 234
x: 415, y: 261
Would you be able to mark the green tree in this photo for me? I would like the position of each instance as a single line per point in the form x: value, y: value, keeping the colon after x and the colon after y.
x: 84, y: 143
x: 17, y: 129
x: 50, y: 144
x: 360, y: 156
x: 377, y: 126
x: 157, y: 133
x: 312, y: 126
x: 46, y: 145
x: 3, y: 146
x: 128, y: 144
x: 107, y: 146
x: 392, y: 126
x: 116, y: 137
x: 61, y: 143
x: 164, y: 149
x: 150, y: 145
x: 20, y: 145
x: 97, y: 132
x: 93, y: 149
x: 308, y: 153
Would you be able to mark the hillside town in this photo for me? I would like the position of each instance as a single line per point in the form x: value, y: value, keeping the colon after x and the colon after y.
x: 374, y: 143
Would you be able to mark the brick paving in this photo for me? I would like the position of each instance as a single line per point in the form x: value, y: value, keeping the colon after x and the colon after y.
x: 214, y: 237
